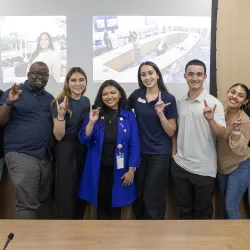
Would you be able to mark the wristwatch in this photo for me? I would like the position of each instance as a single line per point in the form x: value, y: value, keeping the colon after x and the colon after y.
x: 132, y: 168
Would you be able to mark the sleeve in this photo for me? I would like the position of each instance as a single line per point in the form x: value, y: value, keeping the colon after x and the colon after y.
x: 130, y: 101
x: 54, y: 111
x: 134, y: 143
x: 171, y: 110
x: 3, y: 100
x: 87, y: 110
x: 57, y: 67
x: 83, y: 139
x: 1, y: 93
x: 219, y: 115
x: 4, y: 97
x: 239, y: 142
x: 88, y: 103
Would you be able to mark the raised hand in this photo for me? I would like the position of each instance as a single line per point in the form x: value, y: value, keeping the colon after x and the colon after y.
x: 62, y: 107
x: 94, y: 114
x: 160, y: 105
x: 14, y: 93
x: 208, y: 112
x: 238, y: 122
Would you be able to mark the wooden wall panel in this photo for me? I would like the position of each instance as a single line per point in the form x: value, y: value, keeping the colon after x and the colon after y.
x: 233, y: 44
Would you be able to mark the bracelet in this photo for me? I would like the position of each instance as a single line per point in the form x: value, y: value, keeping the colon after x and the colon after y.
x: 132, y: 168
x: 236, y: 132
x: 60, y: 120
x: 9, y: 104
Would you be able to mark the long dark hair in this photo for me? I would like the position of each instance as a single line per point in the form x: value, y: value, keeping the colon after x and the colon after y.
x: 245, y: 107
x: 247, y: 91
x: 37, y: 50
x: 160, y: 82
x: 122, y: 104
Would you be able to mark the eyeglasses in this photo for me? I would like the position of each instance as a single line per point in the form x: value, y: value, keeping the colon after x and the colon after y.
x: 36, y: 74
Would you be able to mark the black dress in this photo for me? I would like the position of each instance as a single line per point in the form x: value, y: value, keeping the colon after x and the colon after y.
x: 106, y: 176
x: 69, y: 161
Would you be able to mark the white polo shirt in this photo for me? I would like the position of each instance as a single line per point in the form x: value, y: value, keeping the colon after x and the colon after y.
x: 196, y: 144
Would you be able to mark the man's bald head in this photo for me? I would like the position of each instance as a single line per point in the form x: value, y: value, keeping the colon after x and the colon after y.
x: 38, y: 75
x: 38, y: 64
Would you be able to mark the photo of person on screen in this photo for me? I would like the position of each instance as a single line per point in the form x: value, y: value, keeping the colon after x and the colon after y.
x: 106, y: 40
x: 45, y: 52
x: 135, y: 38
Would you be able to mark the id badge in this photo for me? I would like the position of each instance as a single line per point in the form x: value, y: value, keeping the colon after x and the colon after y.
x: 119, y: 161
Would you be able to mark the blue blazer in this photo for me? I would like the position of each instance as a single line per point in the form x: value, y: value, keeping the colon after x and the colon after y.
x: 128, y: 136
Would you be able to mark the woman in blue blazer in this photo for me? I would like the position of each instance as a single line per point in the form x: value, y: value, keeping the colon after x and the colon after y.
x: 111, y: 134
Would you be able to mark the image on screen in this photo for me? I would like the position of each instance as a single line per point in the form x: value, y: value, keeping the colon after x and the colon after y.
x: 170, y: 41
x: 21, y: 44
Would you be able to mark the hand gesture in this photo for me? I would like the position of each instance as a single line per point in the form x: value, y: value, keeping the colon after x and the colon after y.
x: 62, y: 107
x: 94, y: 114
x: 208, y: 112
x: 160, y: 105
x: 14, y: 93
x: 238, y: 123
x: 128, y: 178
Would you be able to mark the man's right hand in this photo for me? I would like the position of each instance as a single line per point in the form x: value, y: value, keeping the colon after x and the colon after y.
x: 14, y: 94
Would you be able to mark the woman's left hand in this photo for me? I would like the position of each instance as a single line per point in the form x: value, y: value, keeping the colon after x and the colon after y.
x: 128, y: 178
x: 238, y: 122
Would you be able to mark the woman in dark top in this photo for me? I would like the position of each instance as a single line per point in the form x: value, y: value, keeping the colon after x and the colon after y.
x: 156, y: 114
x: 111, y: 134
x: 68, y: 113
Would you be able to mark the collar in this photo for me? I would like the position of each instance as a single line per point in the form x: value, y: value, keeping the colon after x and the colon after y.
x: 27, y: 85
x: 144, y: 92
x: 200, y: 98
x: 123, y: 113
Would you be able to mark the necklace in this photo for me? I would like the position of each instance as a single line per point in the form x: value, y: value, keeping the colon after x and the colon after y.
x: 112, y: 118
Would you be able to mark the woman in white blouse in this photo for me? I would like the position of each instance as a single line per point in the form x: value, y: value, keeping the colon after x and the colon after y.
x: 45, y: 52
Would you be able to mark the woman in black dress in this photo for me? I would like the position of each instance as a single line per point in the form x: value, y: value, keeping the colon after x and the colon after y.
x: 68, y: 112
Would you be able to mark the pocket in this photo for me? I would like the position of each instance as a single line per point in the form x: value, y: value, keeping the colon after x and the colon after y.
x: 7, y: 158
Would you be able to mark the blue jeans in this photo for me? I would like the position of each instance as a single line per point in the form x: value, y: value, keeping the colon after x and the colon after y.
x: 233, y: 187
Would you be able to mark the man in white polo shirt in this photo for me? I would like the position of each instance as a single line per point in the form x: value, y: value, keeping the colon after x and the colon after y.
x: 200, y: 121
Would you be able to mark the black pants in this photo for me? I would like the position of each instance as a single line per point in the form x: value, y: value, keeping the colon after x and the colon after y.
x: 69, y: 163
x: 151, y: 183
x: 194, y: 193
x: 105, y: 186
